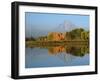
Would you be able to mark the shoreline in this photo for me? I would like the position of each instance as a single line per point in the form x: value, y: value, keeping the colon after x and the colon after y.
x: 56, y: 43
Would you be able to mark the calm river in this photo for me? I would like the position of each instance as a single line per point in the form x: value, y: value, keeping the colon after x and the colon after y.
x: 56, y: 56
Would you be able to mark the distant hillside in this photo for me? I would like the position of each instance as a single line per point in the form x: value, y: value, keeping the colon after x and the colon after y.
x: 63, y: 27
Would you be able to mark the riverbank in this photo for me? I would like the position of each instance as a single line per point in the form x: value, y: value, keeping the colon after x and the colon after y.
x: 56, y: 43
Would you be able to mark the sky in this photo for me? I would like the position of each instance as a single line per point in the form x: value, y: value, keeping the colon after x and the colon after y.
x: 48, y: 21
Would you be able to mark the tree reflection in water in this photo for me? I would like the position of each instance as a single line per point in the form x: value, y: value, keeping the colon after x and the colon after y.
x: 77, y: 50
x: 74, y: 50
x: 57, y: 55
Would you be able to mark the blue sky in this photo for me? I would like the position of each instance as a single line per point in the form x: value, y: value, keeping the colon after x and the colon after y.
x: 47, y: 21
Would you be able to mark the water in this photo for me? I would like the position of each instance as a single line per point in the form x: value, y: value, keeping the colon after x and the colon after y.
x: 56, y: 56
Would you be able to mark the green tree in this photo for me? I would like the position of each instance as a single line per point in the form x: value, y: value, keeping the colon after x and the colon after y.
x: 76, y: 33
x: 85, y: 35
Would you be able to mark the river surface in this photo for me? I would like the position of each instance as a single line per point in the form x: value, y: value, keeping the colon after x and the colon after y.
x: 56, y: 56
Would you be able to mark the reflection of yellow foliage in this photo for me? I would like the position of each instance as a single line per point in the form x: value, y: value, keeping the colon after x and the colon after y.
x: 68, y: 49
x: 56, y: 50
x: 78, y: 50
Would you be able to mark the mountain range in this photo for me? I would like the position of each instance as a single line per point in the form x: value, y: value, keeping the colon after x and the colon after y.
x: 63, y: 27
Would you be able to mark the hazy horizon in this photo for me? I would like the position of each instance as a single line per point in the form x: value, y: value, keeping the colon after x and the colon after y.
x: 37, y: 24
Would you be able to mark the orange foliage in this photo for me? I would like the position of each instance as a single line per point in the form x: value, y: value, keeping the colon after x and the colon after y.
x: 57, y: 36
x: 56, y: 50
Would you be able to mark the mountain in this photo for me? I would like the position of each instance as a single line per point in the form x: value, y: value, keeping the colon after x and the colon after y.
x: 65, y: 26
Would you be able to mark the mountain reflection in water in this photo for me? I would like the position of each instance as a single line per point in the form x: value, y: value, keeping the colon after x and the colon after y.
x: 56, y: 56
